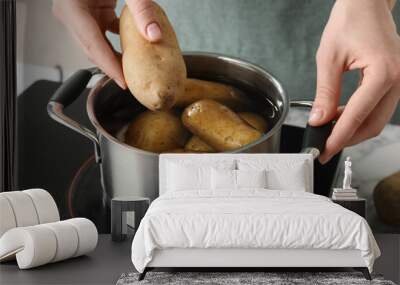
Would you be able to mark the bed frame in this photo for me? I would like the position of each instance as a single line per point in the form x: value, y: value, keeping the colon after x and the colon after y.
x: 245, y: 258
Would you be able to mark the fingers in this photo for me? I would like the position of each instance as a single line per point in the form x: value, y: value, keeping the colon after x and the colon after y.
x: 89, y: 35
x: 110, y: 21
x: 378, y: 118
x: 100, y: 52
x: 366, y: 98
x: 329, y: 76
x: 143, y: 12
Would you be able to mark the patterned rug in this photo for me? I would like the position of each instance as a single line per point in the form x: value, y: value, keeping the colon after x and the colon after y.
x: 243, y: 278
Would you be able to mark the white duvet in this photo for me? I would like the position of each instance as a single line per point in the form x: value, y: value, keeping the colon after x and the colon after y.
x: 250, y: 219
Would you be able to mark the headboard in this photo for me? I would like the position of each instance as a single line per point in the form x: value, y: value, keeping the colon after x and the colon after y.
x: 206, y: 159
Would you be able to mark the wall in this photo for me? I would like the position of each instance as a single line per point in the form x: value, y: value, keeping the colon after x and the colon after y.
x: 46, y: 41
x: 43, y: 43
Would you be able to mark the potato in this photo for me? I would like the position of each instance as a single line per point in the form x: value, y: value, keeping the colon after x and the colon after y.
x: 156, y: 131
x: 254, y: 120
x: 154, y: 72
x: 176, y: 150
x: 197, y: 144
x: 218, y: 126
x: 196, y: 90
x: 182, y: 150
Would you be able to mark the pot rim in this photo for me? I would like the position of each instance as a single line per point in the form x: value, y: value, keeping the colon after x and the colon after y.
x: 275, y: 129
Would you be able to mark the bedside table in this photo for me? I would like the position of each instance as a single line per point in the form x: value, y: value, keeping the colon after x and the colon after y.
x: 119, y: 207
x: 358, y: 206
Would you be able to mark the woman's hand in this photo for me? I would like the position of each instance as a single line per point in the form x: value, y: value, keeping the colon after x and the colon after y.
x: 88, y: 21
x: 360, y: 34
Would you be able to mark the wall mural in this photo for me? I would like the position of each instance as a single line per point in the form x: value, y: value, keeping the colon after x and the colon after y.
x: 376, y: 175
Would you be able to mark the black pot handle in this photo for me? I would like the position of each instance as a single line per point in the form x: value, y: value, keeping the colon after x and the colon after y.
x: 314, y: 138
x: 64, y: 96
x: 70, y: 90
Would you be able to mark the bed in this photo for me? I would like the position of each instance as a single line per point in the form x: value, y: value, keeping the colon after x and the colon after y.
x: 247, y: 210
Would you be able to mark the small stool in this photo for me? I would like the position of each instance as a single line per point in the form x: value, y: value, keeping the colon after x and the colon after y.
x: 119, y: 207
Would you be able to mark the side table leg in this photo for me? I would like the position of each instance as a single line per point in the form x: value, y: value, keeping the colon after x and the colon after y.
x: 116, y: 221
x: 140, y: 211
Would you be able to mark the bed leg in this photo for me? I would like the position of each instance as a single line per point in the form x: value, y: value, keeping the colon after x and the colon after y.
x: 364, y: 271
x: 143, y: 274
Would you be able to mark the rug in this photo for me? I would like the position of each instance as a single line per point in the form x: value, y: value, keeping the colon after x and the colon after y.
x: 244, y: 278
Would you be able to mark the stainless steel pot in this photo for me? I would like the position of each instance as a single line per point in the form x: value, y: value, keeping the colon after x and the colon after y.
x: 128, y: 171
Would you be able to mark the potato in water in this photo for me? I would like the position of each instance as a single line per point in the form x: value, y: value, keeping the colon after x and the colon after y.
x: 218, y: 126
x: 176, y: 150
x: 154, y: 72
x: 156, y: 132
x: 254, y: 120
x: 198, y: 145
x: 196, y: 90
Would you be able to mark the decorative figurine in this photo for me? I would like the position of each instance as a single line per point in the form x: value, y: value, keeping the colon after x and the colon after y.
x: 347, y: 174
x: 346, y: 192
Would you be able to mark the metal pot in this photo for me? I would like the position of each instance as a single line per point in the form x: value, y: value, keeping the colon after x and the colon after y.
x: 128, y: 171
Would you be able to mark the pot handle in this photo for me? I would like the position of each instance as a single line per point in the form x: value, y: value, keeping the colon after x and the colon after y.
x: 315, y: 138
x: 64, y: 96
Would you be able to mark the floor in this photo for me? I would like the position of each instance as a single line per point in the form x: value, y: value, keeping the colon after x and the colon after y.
x: 103, y: 266
x: 110, y: 260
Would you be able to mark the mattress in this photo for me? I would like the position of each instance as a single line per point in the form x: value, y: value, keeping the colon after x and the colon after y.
x: 252, y: 219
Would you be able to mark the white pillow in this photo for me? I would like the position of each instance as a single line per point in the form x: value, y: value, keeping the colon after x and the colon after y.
x: 283, y: 173
x: 251, y: 178
x: 223, y: 179
x: 181, y: 177
x: 293, y: 179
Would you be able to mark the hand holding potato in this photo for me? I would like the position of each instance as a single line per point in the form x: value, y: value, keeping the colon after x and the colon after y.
x: 88, y: 21
x: 154, y: 72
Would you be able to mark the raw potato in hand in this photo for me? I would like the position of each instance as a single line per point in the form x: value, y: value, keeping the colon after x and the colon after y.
x: 254, y: 120
x: 196, y: 90
x: 154, y: 72
x: 198, y: 145
x: 156, y: 132
x: 218, y: 126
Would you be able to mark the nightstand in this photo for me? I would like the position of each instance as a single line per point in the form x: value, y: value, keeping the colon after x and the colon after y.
x: 358, y: 206
x: 119, y: 208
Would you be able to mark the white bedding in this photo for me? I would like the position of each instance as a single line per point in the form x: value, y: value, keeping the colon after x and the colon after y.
x: 252, y: 218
